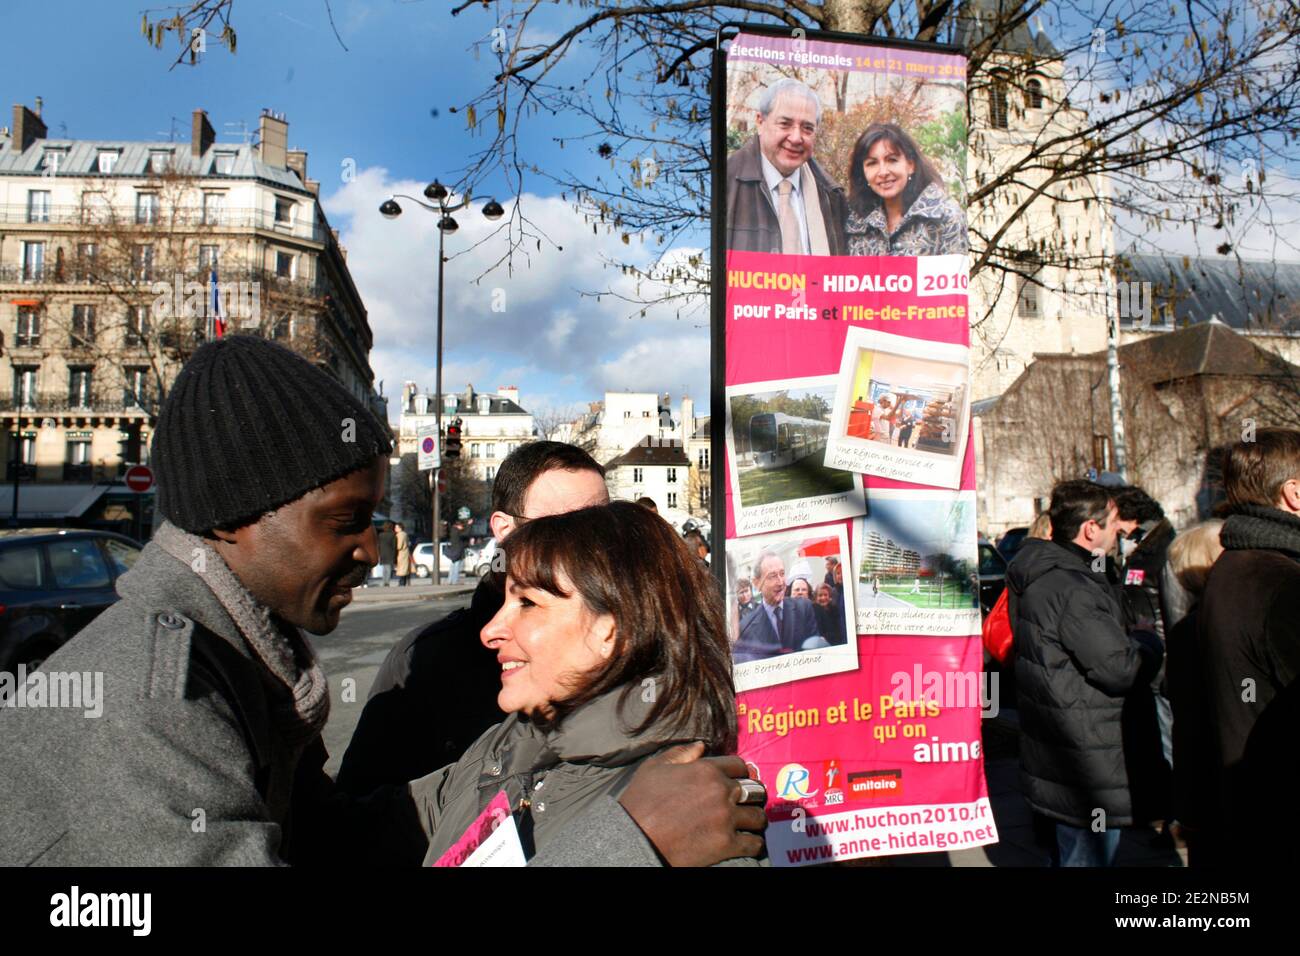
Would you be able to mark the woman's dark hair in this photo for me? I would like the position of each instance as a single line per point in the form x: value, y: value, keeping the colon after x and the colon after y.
x: 668, y: 611
x: 862, y: 198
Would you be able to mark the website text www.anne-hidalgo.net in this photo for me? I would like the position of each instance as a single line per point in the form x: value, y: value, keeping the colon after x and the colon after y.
x: 911, y: 840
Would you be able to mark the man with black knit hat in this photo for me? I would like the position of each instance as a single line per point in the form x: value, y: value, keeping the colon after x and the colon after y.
x: 208, y: 749
x: 1248, y: 654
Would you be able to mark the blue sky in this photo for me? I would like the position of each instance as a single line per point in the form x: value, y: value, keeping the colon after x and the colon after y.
x: 373, y: 105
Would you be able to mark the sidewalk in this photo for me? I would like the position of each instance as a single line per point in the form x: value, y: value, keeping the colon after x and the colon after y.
x: 420, y: 589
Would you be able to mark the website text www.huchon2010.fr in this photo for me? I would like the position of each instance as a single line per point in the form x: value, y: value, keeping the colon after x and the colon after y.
x: 882, y: 832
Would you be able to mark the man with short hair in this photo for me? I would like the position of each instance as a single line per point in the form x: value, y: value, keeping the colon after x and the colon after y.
x: 1248, y: 653
x: 780, y: 624
x: 779, y: 200
x: 699, y: 547
x: 1074, y: 665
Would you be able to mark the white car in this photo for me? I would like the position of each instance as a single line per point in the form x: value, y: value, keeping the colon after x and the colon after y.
x: 422, y: 559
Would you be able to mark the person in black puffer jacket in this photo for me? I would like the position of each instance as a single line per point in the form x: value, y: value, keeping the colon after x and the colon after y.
x: 1074, y: 665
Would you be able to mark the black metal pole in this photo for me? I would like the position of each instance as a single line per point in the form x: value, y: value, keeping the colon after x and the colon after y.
x: 18, y: 458
x: 437, y: 522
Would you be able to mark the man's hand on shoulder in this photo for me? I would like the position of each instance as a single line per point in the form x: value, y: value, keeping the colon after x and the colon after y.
x: 689, y: 807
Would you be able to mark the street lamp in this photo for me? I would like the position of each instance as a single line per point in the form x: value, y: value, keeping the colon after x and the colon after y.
x: 437, y: 193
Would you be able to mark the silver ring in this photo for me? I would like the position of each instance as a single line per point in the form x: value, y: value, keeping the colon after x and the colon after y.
x: 752, y: 793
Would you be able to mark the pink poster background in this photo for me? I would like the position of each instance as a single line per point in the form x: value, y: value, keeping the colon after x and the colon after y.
x: 842, y: 747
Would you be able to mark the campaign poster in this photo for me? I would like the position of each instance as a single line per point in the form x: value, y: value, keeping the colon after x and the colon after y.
x: 841, y: 366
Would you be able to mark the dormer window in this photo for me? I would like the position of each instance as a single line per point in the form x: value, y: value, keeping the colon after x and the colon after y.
x: 1034, y: 94
x: 223, y: 163
x: 484, y: 405
x: 106, y: 160
x: 160, y: 160
x: 52, y: 161
x: 449, y: 404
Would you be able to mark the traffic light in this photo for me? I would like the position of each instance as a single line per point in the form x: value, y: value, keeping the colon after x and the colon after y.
x: 453, y: 440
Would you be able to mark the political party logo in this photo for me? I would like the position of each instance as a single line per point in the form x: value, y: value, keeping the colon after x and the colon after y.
x: 1135, y: 576
x: 832, y: 792
x: 868, y: 784
x: 794, y: 782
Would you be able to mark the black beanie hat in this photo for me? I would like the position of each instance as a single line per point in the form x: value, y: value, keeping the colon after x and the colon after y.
x: 249, y: 426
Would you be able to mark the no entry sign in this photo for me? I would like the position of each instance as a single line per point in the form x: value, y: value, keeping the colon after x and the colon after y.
x: 139, y: 478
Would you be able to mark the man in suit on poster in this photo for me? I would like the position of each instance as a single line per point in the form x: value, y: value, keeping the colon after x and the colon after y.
x: 779, y: 624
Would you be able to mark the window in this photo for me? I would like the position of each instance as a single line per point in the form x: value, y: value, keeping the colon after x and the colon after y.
x: 1101, y: 459
x: 484, y: 404
x: 77, y: 563
x: 25, y: 390
x: 672, y: 499
x: 1027, y: 304
x: 29, y: 327
x: 137, y: 325
x: 121, y: 556
x: 83, y: 326
x: 703, y: 459
x: 283, y: 211
x: 283, y: 329
x: 27, y: 451
x: 998, y: 103
x: 146, y: 209
x: 22, y: 568
x: 223, y: 164
x: 645, y: 414
x: 33, y: 261
x: 135, y: 388
x: 214, y: 207
x: 79, y: 386
x: 638, y: 475
x: 672, y: 476
x: 627, y: 414
x: 474, y: 450
x: 160, y: 160
x: 106, y: 161
x: 38, y: 205
x: 704, y: 496
x: 491, y: 450
x: 52, y: 161
x: 84, y: 265
x: 78, y: 448
x: 1034, y: 94
x: 449, y: 404
x: 490, y: 473
x: 143, y: 255
x: 285, y: 265
x: 208, y: 258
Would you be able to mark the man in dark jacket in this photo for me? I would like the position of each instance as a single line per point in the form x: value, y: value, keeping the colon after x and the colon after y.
x: 1248, y: 654
x: 387, y: 542
x: 208, y: 747
x: 779, y: 624
x: 773, y: 180
x: 1074, y: 664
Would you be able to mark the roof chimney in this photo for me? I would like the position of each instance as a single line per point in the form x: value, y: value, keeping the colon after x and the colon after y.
x: 273, y: 139
x: 296, y: 159
x: 201, y: 135
x: 28, y: 128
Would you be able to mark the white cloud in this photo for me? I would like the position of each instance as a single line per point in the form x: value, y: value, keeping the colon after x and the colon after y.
x: 574, y: 345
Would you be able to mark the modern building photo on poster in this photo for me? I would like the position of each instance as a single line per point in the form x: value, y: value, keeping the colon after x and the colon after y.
x: 840, y: 336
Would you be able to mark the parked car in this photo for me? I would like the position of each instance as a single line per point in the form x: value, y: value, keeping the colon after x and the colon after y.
x: 482, y: 564
x: 993, y: 575
x: 422, y: 559
x: 1010, y: 543
x: 53, y: 582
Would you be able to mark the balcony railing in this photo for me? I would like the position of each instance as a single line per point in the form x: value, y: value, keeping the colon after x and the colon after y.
x: 71, y: 274
x: 183, y: 217
x: 107, y: 400
x: 26, y: 472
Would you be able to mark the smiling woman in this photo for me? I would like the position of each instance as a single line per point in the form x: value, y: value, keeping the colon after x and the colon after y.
x: 613, y: 649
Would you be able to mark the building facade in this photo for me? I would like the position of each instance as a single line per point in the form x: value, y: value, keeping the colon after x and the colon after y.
x: 654, y: 468
x: 117, y: 258
x: 493, y: 424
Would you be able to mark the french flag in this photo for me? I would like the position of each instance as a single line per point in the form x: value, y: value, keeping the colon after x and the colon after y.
x: 216, y: 324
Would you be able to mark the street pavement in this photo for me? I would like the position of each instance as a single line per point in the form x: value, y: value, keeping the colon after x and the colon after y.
x: 376, y: 619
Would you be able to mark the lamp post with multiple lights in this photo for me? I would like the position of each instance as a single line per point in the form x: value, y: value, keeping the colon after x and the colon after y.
x: 437, y: 193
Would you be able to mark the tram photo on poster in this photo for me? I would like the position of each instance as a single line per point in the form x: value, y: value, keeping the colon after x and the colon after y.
x: 777, y: 433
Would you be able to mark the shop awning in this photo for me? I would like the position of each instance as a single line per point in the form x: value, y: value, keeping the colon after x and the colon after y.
x: 55, y: 502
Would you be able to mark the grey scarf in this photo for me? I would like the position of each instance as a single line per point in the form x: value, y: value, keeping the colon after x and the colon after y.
x: 1255, y: 527
x: 289, y: 659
